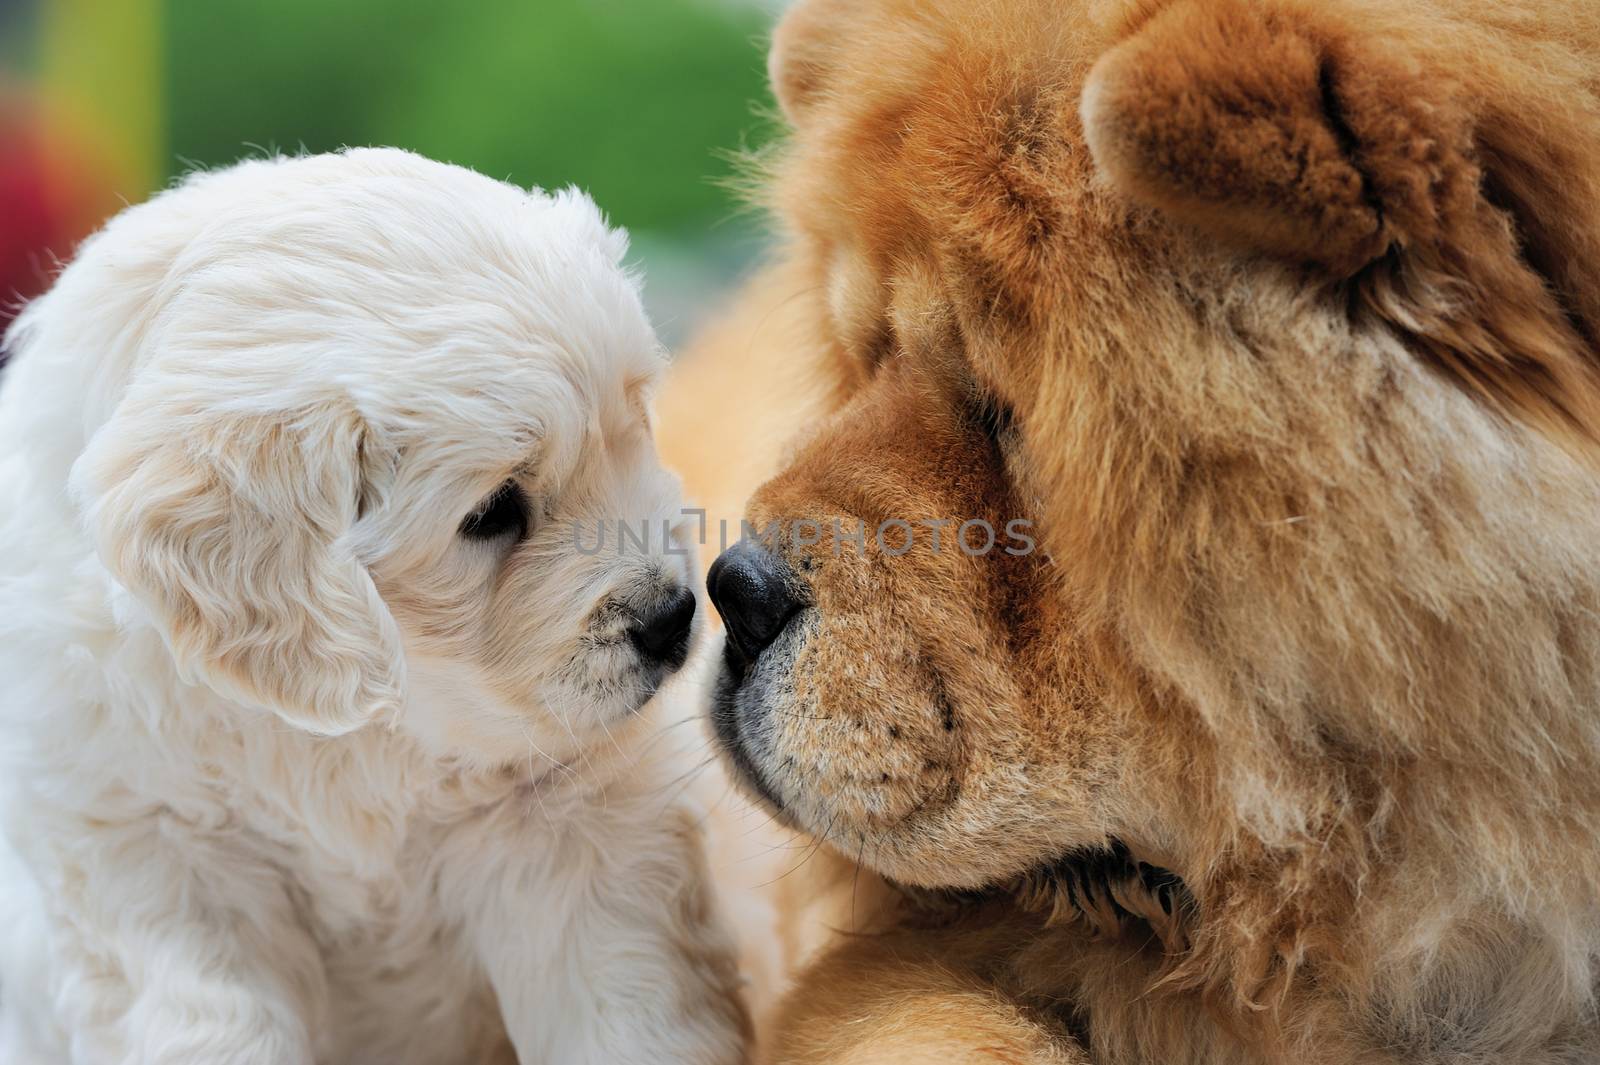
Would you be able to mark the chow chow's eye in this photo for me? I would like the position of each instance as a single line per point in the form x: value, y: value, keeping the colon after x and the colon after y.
x: 995, y: 418
x: 503, y: 513
x: 879, y: 345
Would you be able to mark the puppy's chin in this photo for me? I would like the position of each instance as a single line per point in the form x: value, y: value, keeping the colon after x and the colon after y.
x: 453, y: 712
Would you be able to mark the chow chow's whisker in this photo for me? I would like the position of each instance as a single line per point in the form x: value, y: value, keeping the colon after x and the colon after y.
x: 855, y: 878
x: 705, y: 818
x: 811, y: 852
x: 684, y: 782
x: 661, y: 734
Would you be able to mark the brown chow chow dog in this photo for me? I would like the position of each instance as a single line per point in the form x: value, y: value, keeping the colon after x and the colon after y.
x: 1275, y: 323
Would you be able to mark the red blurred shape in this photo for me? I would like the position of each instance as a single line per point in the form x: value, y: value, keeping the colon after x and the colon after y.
x: 46, y: 205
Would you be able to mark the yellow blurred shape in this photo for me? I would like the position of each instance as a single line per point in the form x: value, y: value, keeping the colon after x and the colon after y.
x: 102, y: 78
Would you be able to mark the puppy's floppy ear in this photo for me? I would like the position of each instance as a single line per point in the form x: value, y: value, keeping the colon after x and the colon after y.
x: 1455, y: 181
x: 231, y: 533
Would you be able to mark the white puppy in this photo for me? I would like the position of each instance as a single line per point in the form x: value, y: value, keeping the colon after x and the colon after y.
x: 319, y: 710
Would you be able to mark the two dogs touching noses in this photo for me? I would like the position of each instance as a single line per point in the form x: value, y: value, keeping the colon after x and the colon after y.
x: 321, y: 741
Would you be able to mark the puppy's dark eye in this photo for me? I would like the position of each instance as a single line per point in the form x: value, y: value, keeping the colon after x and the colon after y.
x: 504, y: 513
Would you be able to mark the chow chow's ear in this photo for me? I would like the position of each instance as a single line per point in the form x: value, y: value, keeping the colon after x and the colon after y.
x: 1244, y: 119
x: 805, y: 45
x: 1456, y: 182
x: 231, y: 533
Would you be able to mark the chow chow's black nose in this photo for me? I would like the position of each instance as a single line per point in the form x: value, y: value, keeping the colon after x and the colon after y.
x: 754, y: 591
x: 662, y: 632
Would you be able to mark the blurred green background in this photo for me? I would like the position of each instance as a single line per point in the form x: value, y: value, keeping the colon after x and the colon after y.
x: 637, y: 101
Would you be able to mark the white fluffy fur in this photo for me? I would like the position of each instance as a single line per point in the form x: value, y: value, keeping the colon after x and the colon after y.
x: 289, y: 771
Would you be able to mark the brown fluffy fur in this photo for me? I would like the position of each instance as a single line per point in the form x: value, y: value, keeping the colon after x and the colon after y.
x: 1279, y: 319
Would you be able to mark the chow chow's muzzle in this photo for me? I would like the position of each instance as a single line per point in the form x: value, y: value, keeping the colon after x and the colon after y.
x: 758, y: 596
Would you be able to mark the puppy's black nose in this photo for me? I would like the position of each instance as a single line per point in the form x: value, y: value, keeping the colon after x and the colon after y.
x: 662, y: 632
x: 753, y: 589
